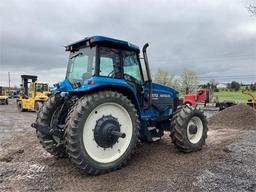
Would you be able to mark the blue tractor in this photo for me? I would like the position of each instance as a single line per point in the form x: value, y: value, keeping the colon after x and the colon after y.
x: 106, y: 106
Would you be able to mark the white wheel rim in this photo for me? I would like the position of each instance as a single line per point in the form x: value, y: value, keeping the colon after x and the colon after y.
x: 98, y: 153
x: 195, y: 138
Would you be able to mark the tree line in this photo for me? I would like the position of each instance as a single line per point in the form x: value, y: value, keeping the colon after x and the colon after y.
x: 188, y: 81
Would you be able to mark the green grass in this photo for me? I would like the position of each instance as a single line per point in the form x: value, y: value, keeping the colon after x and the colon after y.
x: 233, y: 96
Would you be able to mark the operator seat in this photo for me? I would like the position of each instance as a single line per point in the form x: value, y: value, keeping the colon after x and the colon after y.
x: 117, y: 70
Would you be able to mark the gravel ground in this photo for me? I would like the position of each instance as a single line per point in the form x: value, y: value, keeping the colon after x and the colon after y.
x: 226, y: 163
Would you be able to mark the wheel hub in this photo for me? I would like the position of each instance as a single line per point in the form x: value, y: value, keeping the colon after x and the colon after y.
x: 107, y: 131
x: 192, y: 129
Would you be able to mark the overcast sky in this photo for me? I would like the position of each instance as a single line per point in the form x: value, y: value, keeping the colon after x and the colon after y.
x: 215, y: 38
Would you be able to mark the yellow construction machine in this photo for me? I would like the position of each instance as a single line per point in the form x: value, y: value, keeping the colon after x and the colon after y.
x: 3, y: 96
x: 251, y: 102
x: 33, y: 95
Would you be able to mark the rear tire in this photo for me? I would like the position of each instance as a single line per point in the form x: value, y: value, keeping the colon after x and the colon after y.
x: 185, y: 136
x: 88, y: 115
x: 45, y: 116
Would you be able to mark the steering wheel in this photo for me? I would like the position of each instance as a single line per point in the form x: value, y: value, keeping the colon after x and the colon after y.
x: 111, y: 73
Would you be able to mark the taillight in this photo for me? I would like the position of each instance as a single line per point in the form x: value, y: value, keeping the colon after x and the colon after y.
x: 91, y: 82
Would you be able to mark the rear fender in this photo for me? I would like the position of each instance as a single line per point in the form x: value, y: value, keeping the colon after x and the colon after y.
x: 98, y: 84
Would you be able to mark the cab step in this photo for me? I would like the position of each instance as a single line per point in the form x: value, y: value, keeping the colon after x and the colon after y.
x: 151, y: 128
x: 156, y: 139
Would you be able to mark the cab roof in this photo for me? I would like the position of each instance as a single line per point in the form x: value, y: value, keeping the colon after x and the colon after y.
x: 106, y: 40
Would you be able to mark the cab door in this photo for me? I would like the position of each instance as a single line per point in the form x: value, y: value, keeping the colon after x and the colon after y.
x: 132, y: 73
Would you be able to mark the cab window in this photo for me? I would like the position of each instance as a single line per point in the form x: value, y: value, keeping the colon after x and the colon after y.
x: 81, y: 64
x: 131, y: 66
x: 41, y: 87
x: 110, y: 65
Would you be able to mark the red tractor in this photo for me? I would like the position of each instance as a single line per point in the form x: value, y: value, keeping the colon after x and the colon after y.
x: 201, y: 96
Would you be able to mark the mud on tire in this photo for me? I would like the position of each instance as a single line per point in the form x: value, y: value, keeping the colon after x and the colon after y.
x: 180, y: 135
x: 77, y: 145
x: 45, y: 117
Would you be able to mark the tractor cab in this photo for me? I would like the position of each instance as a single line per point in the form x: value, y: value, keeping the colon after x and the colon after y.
x: 105, y: 62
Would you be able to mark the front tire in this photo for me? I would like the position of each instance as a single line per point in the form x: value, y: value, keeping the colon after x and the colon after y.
x: 188, y: 129
x: 47, y: 115
x: 89, y: 143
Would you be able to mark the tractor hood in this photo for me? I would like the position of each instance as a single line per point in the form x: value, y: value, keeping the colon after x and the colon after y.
x: 158, y: 88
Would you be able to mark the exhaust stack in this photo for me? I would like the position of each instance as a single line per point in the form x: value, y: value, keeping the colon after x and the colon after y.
x: 144, y: 50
